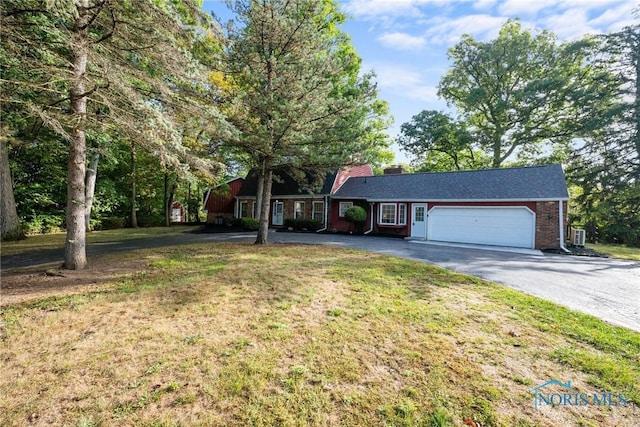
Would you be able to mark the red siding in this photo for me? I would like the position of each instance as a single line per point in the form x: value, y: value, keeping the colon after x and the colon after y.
x: 547, y: 227
x: 221, y: 200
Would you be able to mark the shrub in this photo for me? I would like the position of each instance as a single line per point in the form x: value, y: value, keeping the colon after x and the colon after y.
x: 250, y: 224
x: 112, y: 223
x: 355, y: 214
x: 299, y: 224
x: 43, y: 224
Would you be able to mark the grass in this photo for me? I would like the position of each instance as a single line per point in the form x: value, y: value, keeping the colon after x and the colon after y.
x: 617, y: 251
x: 290, y: 335
x: 56, y: 240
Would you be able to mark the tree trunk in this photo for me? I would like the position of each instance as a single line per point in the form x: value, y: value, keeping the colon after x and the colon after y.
x: 635, y: 43
x: 263, y: 230
x: 189, y: 204
x: 258, y: 209
x: 9, y: 220
x: 75, y: 256
x: 165, y: 201
x: 90, y: 188
x: 134, y: 195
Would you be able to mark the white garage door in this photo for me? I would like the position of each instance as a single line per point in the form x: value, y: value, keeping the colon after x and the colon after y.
x: 500, y: 226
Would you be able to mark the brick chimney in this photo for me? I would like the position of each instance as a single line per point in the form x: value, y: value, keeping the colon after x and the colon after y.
x: 393, y: 170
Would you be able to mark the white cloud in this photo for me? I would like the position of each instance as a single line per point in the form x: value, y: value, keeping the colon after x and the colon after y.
x: 484, y: 4
x: 591, y: 4
x: 615, y: 18
x: 386, y: 8
x: 524, y: 7
x: 448, y: 31
x: 402, y: 41
x: 572, y: 24
x: 405, y: 82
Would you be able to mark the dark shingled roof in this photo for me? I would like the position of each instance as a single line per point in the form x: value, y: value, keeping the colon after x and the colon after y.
x: 285, y: 185
x: 525, y: 183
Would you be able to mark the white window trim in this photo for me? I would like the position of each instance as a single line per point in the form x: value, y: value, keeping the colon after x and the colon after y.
x: 240, y: 208
x: 397, y: 220
x: 395, y: 213
x: 402, y: 220
x: 342, y: 208
x: 320, y: 211
x: 295, y: 211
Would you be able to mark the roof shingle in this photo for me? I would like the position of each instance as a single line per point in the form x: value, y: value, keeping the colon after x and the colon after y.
x: 524, y: 183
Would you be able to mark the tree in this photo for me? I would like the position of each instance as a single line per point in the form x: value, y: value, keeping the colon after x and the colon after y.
x: 432, y: 135
x: 10, y: 228
x: 522, y: 90
x: 606, y: 168
x: 130, y: 60
x: 299, y: 101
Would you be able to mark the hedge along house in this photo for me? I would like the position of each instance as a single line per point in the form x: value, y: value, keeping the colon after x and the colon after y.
x: 518, y: 207
x: 220, y: 201
x: 301, y: 197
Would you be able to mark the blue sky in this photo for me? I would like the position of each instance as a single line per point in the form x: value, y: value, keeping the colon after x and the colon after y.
x: 405, y: 41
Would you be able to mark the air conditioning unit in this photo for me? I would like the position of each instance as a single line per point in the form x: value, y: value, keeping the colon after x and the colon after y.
x: 578, y: 236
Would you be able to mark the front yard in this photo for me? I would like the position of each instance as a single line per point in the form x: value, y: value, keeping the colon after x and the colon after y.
x: 300, y: 335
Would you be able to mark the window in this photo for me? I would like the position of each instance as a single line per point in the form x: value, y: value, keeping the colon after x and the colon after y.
x: 298, y: 210
x: 388, y: 213
x: 343, y: 208
x: 402, y: 214
x: 318, y: 211
x: 393, y: 214
x: 244, y: 211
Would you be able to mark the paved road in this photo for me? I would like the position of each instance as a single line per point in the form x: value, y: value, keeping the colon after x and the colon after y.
x: 606, y: 288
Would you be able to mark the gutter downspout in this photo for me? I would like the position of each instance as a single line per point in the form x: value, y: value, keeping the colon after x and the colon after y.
x: 326, y: 214
x: 561, y: 227
x: 371, y: 227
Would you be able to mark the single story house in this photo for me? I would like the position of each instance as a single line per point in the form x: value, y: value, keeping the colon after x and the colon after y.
x: 518, y: 207
x: 290, y: 199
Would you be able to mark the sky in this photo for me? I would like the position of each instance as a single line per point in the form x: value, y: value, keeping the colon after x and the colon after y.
x: 405, y: 42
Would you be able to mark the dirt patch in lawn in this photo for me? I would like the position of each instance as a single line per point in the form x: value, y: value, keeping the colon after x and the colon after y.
x: 34, y: 284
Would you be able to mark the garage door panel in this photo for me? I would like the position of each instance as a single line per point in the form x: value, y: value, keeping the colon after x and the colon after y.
x: 490, y: 226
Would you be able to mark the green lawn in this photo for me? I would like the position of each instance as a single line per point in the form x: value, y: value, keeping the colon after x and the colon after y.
x: 617, y: 251
x: 56, y: 240
x: 287, y: 335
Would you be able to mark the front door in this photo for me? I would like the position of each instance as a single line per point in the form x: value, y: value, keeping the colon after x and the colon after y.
x: 419, y: 221
x: 278, y: 213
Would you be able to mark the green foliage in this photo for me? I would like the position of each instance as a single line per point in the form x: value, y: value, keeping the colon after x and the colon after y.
x: 355, y: 214
x: 302, y: 224
x: 440, y: 143
x: 300, y: 99
x: 605, y: 170
x: 522, y: 91
x: 43, y: 224
x: 111, y: 223
x: 250, y: 224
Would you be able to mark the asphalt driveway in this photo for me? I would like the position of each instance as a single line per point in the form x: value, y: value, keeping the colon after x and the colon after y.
x: 606, y: 288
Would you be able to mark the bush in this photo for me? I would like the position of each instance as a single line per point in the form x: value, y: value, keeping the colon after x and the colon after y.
x: 111, y: 223
x: 43, y: 224
x: 300, y: 224
x: 250, y: 224
x: 355, y: 214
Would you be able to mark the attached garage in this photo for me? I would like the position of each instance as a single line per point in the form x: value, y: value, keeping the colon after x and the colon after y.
x: 499, y: 226
x: 518, y: 207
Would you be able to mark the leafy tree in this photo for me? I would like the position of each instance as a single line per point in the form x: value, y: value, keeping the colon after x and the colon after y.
x: 297, y: 99
x: 522, y: 90
x: 134, y: 62
x: 606, y: 168
x: 440, y: 142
